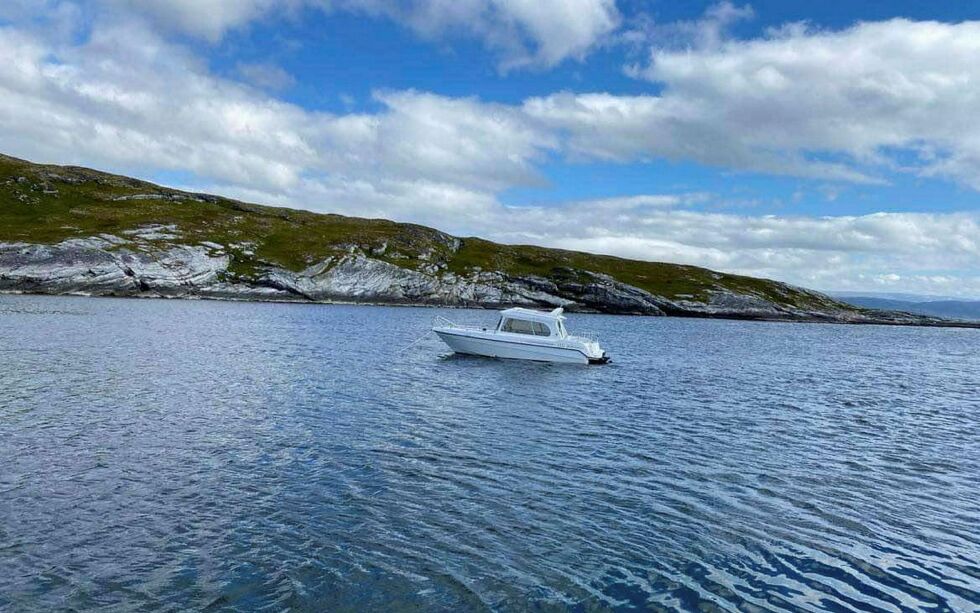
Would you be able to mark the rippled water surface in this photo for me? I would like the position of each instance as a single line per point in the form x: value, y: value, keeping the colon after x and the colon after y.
x: 175, y: 455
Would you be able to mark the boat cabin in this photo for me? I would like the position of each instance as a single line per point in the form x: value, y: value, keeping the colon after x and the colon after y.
x: 533, y: 323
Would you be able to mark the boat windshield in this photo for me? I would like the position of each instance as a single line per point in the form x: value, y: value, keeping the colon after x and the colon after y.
x: 521, y: 326
x: 561, y: 329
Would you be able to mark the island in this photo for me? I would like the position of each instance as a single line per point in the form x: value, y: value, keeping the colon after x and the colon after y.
x: 71, y: 230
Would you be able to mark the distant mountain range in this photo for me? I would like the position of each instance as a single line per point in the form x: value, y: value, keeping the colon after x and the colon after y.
x: 955, y: 309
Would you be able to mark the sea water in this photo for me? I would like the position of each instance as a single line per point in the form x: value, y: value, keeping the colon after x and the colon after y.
x: 174, y: 455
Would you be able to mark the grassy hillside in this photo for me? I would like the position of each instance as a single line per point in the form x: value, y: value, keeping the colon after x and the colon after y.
x: 48, y: 204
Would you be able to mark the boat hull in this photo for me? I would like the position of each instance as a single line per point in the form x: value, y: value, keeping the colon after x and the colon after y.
x: 513, y: 349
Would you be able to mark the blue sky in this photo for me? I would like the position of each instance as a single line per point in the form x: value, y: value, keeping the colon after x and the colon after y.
x: 827, y: 144
x: 339, y: 60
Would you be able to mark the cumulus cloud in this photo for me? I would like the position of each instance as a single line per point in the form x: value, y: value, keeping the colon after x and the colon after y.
x: 128, y: 99
x: 641, y: 128
x: 450, y: 140
x: 850, y: 105
x: 922, y: 253
x: 708, y: 32
x: 526, y: 33
x: 208, y: 19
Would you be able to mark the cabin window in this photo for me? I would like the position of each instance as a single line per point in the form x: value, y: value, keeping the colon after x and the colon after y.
x: 520, y: 326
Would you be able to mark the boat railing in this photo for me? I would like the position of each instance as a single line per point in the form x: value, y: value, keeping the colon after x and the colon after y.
x: 590, y: 337
x: 441, y: 322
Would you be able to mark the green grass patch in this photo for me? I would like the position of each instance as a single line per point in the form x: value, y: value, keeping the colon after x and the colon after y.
x: 48, y: 204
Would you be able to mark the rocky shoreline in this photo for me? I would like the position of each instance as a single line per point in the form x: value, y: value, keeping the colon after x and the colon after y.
x: 147, y: 263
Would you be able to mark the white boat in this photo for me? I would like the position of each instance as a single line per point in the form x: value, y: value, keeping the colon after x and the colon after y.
x: 523, y: 334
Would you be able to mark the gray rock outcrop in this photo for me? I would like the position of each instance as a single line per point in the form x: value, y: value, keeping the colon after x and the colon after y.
x: 146, y: 263
x: 102, y: 266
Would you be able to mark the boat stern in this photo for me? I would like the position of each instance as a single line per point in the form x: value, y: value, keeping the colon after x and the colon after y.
x: 601, y: 359
x: 594, y: 353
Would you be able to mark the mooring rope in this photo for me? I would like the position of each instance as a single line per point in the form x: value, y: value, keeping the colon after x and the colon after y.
x: 414, y: 343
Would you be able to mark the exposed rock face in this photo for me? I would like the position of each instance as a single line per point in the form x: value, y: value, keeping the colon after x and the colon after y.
x: 147, y: 263
x: 357, y: 277
x: 603, y: 293
x: 101, y: 266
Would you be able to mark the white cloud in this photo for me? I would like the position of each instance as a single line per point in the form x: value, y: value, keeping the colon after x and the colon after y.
x: 848, y: 105
x: 935, y: 253
x: 128, y: 99
x: 630, y: 128
x: 852, y: 105
x: 548, y: 31
x: 525, y: 33
x: 708, y: 32
x: 207, y: 19
x: 454, y: 141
